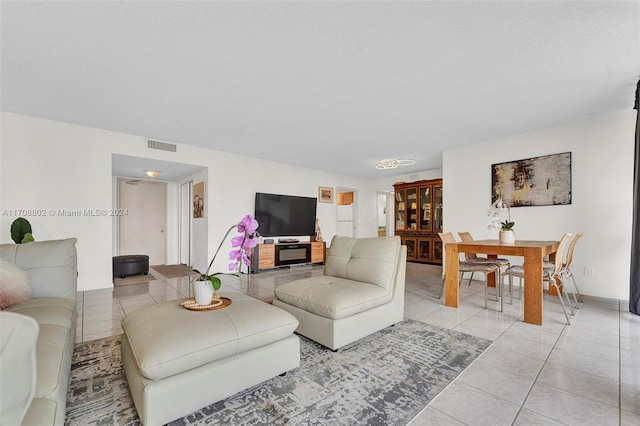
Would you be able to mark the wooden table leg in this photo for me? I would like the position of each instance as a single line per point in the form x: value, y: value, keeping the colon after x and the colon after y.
x: 452, y: 265
x: 492, y: 278
x: 533, y: 285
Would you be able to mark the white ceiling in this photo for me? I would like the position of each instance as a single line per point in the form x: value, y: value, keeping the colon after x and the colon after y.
x: 335, y: 86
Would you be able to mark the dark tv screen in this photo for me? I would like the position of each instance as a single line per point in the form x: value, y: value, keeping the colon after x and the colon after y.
x: 285, y: 215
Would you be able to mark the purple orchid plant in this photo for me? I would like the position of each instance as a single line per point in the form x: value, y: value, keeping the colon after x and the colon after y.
x: 241, y: 253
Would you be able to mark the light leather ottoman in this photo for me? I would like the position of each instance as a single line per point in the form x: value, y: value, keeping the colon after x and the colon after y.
x: 177, y: 361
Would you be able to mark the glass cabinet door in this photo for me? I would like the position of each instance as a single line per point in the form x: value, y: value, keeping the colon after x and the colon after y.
x: 437, y: 209
x: 401, y: 198
x: 411, y: 247
x: 425, y: 208
x: 424, y: 249
x: 437, y: 250
x: 418, y: 219
x: 412, y: 208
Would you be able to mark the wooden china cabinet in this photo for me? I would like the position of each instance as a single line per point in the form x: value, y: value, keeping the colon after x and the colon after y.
x: 418, y: 219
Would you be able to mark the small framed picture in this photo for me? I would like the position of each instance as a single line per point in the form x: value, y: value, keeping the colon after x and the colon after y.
x: 325, y: 194
x: 198, y: 200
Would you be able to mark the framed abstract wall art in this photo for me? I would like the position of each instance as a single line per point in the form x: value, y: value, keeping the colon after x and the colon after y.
x: 538, y: 181
x: 198, y: 200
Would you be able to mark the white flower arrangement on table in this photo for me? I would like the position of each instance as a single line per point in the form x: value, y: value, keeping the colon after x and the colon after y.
x: 495, y: 211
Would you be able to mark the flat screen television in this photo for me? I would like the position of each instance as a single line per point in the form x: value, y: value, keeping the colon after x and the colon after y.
x: 285, y: 215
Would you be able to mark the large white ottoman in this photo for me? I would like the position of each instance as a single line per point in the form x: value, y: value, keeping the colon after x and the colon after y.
x: 178, y: 361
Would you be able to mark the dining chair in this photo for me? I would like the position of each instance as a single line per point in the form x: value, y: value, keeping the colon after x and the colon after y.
x: 566, y: 266
x: 566, y: 272
x: 474, y: 258
x: 550, y: 275
x: 464, y: 266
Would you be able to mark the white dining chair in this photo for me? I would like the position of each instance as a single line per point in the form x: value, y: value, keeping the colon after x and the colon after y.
x: 550, y: 275
x: 464, y: 266
x: 474, y: 258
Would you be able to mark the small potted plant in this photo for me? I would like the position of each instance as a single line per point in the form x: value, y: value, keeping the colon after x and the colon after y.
x: 205, y: 288
x: 21, y: 231
x: 507, y: 235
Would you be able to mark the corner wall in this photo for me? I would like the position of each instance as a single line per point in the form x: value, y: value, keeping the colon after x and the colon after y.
x: 602, y: 177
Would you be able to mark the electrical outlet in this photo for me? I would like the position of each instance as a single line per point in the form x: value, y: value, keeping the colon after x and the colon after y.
x: 588, y: 271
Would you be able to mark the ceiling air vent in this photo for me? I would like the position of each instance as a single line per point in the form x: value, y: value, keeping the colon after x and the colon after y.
x: 162, y: 146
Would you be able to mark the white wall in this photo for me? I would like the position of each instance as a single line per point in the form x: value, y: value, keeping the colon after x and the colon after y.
x: 200, y: 229
x: 172, y: 228
x: 602, y: 177
x: 52, y: 165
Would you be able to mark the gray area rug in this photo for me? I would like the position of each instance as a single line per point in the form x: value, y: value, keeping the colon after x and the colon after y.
x: 383, y: 379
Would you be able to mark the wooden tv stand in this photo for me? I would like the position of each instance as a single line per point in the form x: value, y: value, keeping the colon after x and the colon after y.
x: 270, y: 256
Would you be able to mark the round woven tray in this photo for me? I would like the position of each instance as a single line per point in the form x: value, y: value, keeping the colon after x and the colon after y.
x: 191, y: 304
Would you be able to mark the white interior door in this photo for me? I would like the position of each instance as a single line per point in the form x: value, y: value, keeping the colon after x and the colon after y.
x: 185, y: 223
x: 142, y: 229
x: 346, y: 216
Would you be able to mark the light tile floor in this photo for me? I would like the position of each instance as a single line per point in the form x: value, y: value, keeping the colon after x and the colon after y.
x: 587, y: 373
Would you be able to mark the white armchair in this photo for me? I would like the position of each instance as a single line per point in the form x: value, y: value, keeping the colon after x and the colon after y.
x: 361, y: 291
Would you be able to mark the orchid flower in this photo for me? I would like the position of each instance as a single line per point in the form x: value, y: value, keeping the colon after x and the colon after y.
x: 495, y: 210
x: 242, y: 249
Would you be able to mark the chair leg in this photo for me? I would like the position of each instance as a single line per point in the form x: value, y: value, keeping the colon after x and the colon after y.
x: 520, y: 288
x: 501, y: 290
x: 553, y: 282
x: 575, y: 284
x: 573, y: 293
x: 486, y: 289
x: 442, y: 288
x: 567, y: 289
x: 470, y: 278
x: 566, y: 293
x: 511, y: 289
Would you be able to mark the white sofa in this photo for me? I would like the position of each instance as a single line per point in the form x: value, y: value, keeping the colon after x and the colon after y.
x: 34, y: 389
x: 360, y: 292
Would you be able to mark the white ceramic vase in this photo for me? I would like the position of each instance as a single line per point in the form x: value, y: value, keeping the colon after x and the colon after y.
x: 507, y: 237
x: 203, y: 292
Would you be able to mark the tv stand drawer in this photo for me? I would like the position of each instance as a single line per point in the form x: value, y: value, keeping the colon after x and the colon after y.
x: 270, y: 256
x: 266, y: 256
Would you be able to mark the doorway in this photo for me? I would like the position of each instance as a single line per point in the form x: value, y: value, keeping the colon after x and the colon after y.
x: 142, y: 229
x: 346, y: 212
x: 381, y: 214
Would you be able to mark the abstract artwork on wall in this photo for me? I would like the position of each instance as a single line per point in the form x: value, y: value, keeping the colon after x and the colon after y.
x: 539, y: 181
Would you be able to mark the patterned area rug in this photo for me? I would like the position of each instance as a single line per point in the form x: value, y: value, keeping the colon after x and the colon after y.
x: 174, y: 271
x: 383, y: 379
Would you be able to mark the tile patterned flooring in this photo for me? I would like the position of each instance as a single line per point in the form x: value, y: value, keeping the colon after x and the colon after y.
x: 587, y: 373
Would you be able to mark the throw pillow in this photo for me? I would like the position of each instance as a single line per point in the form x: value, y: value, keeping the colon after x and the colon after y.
x: 15, y: 287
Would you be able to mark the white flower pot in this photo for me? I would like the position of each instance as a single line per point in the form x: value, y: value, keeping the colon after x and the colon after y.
x: 507, y: 237
x: 203, y: 292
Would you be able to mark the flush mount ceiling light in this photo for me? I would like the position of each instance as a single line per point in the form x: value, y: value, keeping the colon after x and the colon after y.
x: 151, y: 173
x: 394, y: 163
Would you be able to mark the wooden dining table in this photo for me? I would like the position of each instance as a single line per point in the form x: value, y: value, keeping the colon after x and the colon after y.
x: 533, y: 252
